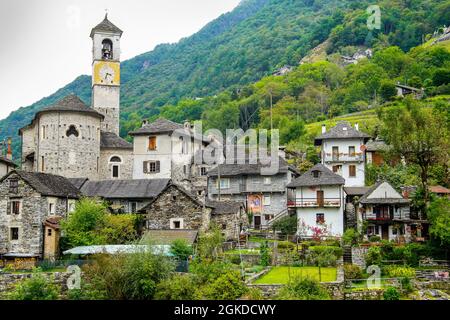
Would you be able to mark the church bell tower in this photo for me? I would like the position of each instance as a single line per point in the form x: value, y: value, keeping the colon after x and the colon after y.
x: 106, y: 73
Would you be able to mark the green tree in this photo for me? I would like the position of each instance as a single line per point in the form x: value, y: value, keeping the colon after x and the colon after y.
x: 439, y: 215
x: 181, y: 249
x: 265, y: 254
x: 387, y: 90
x: 286, y: 225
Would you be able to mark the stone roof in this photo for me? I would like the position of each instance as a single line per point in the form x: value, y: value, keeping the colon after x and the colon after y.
x: 225, y: 207
x: 245, y: 169
x: 365, y: 200
x: 342, y: 130
x: 53, y: 222
x: 325, y: 177
x: 160, y: 126
x: 169, y: 236
x: 106, y: 26
x: 376, y: 145
x: 77, y: 182
x: 110, y: 140
x: 356, y: 191
x: 7, y: 161
x: 124, y: 189
x: 47, y: 184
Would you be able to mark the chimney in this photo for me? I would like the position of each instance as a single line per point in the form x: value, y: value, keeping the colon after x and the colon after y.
x: 324, y: 128
x: 9, y: 151
x: 144, y: 122
x: 187, y: 125
x: 357, y: 126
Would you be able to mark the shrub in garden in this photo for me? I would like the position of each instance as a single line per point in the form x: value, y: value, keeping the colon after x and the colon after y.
x: 265, y: 254
x: 303, y: 289
x: 336, y: 251
x: 374, y: 238
x: 177, y: 287
x: 228, y: 286
x: 37, y: 287
x: 394, y: 271
x: 286, y: 245
x: 391, y: 293
x: 407, y: 286
x: 286, y: 225
x: 351, y: 236
x: 253, y: 294
x: 352, y: 271
x: 181, y: 249
x: 373, y: 256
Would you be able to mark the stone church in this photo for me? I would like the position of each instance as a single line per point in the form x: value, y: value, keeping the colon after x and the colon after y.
x: 74, y: 140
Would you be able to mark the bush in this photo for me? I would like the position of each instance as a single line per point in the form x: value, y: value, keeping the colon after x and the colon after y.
x: 177, y: 287
x: 253, y: 294
x: 336, y: 251
x: 391, y: 293
x: 407, y: 286
x: 265, y: 255
x: 303, y: 289
x: 374, y: 238
x: 351, y: 236
x: 399, y: 271
x: 35, y: 288
x: 352, y: 271
x: 228, y: 286
x: 181, y: 249
x: 286, y: 225
x: 286, y: 245
x: 373, y: 256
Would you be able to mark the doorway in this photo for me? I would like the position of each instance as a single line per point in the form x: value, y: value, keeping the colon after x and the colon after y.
x: 385, y: 232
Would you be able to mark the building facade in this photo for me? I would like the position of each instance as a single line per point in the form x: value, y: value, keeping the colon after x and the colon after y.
x: 318, y: 199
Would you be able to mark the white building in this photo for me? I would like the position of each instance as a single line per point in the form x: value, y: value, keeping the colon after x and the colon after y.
x: 342, y: 152
x: 165, y: 150
x: 318, y: 198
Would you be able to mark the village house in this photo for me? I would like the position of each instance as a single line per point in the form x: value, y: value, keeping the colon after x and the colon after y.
x: 404, y: 90
x: 230, y: 217
x: 317, y: 198
x: 28, y: 201
x: 264, y: 195
x: 164, y: 149
x: 122, y: 196
x: 387, y: 213
x: 6, y: 163
x: 342, y: 152
x: 74, y: 140
x: 374, y: 151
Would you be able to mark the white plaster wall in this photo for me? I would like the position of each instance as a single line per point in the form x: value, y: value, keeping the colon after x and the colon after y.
x: 385, y: 190
x: 334, y: 219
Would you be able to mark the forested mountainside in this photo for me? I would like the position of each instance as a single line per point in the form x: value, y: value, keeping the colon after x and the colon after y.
x: 250, y: 43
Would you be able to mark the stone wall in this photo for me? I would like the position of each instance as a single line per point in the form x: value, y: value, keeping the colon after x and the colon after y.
x: 126, y: 166
x: 8, y: 281
x: 373, y: 294
x: 175, y: 204
x: 358, y: 256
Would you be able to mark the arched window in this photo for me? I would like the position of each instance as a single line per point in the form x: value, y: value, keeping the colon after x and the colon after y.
x: 115, y: 166
x: 72, y: 131
x: 107, y: 49
x: 115, y: 159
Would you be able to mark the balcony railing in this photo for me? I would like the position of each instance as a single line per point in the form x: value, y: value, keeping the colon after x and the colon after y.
x: 343, y: 157
x: 314, y: 202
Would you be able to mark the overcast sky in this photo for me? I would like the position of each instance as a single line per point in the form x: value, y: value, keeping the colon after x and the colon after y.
x: 45, y: 44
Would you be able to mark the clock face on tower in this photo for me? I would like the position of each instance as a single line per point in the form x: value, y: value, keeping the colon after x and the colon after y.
x: 106, y: 73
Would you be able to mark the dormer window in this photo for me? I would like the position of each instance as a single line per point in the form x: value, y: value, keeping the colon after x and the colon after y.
x: 107, y: 49
x: 316, y: 173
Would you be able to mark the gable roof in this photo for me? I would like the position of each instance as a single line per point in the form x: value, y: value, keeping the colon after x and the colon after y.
x: 70, y: 103
x: 47, y: 184
x: 367, y: 199
x: 109, y: 140
x: 77, y: 182
x: 8, y: 161
x: 326, y: 177
x: 225, y: 207
x: 376, y: 145
x: 169, y: 236
x: 356, y: 191
x: 106, y: 26
x: 160, y: 126
x: 246, y: 169
x: 124, y: 189
x: 342, y: 130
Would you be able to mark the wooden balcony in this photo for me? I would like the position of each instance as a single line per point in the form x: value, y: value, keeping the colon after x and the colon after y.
x: 343, y: 157
x: 314, y: 203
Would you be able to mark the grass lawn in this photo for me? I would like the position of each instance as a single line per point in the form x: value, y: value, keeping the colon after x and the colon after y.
x: 280, y: 275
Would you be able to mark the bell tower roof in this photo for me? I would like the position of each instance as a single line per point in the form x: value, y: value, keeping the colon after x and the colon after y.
x: 106, y: 26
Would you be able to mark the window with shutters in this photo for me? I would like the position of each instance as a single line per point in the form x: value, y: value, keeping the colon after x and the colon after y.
x: 151, y: 166
x: 203, y: 171
x: 352, y: 171
x: 14, y: 186
x: 351, y: 151
x: 14, y: 207
x: 152, y: 143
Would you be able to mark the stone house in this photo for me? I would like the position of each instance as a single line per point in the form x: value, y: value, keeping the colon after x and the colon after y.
x: 27, y: 200
x: 317, y: 197
x: 230, y: 217
x: 264, y: 196
x: 176, y: 209
x: 6, y: 163
x: 342, y: 152
x: 122, y: 196
x: 374, y: 151
x: 74, y: 140
x: 387, y: 213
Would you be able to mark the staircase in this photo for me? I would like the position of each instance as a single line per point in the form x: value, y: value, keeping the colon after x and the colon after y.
x: 277, y: 217
x: 350, y: 216
x: 347, y: 255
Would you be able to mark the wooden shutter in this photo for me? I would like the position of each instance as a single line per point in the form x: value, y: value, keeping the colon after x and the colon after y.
x: 8, y: 207
x: 157, y: 166
x: 145, y: 166
x: 152, y: 143
x: 352, y: 170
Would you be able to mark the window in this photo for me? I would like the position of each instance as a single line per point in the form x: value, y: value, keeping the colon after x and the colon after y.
x: 49, y: 232
x: 316, y: 173
x: 351, y: 151
x: 152, y: 143
x: 224, y: 183
x: 151, y: 166
x: 352, y: 170
x: 43, y: 132
x: 51, y: 208
x: 266, y: 200
x: 115, y: 171
x: 203, y: 171
x: 267, y: 180
x: 115, y: 159
x: 42, y: 164
x: 320, y: 218
x: 133, y: 207
x: 337, y: 169
x: 14, y: 186
x: 268, y: 217
x: 14, y: 233
x: 15, y: 207
x: 176, y: 223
